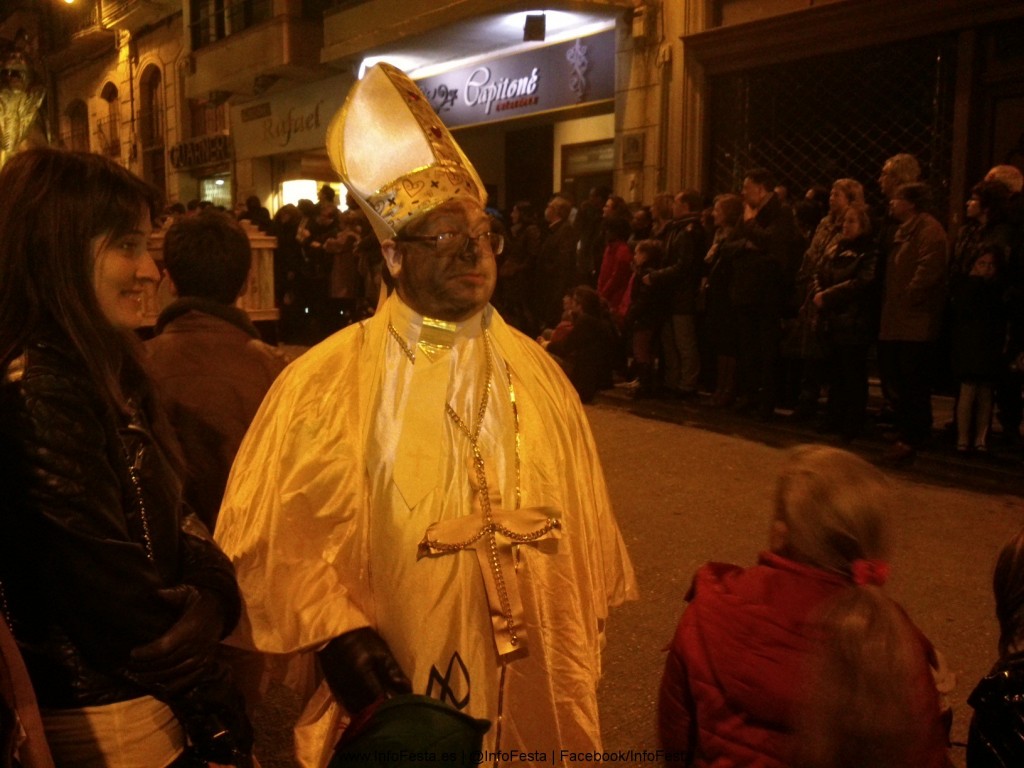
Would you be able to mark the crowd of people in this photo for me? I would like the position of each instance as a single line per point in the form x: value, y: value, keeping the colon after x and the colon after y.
x: 767, y: 303
x: 412, y: 514
x: 757, y: 300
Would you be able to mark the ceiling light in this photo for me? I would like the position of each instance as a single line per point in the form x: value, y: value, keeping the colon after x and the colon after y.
x: 533, y: 28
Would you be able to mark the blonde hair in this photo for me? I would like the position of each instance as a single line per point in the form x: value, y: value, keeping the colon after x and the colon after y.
x: 852, y: 188
x: 903, y: 168
x: 834, y: 507
x: 1007, y: 175
x: 864, y: 707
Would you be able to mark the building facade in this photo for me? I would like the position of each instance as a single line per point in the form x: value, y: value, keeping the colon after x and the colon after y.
x: 223, y: 99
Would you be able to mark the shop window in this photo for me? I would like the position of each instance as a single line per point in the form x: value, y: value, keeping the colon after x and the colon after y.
x: 151, y: 127
x: 108, y: 128
x: 213, y: 20
x: 207, y: 117
x: 216, y: 189
x: 77, y: 135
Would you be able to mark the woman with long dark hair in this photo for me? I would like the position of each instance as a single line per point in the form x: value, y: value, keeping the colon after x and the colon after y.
x: 116, y: 598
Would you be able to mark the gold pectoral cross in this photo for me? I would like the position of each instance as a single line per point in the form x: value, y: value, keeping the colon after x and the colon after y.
x: 494, y: 533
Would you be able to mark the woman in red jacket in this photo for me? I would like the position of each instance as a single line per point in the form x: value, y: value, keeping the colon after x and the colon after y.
x: 801, y: 659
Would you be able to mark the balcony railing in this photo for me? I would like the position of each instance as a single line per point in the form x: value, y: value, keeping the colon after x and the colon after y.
x: 76, y: 34
x: 76, y: 139
x: 134, y: 14
x: 108, y: 135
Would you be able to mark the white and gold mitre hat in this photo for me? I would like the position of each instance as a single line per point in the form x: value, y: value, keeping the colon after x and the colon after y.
x: 394, y: 154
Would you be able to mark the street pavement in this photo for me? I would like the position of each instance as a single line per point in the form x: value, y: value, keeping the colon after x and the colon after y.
x: 691, y: 485
x: 684, y: 495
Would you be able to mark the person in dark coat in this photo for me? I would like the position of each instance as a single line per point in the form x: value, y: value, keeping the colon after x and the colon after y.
x: 206, y: 355
x: 760, y: 287
x: 556, y: 264
x: 841, y: 292
x: 978, y: 337
x: 680, y: 280
x: 996, y: 735
x: 517, y: 269
x: 728, y: 249
x: 587, y: 352
x: 913, y: 298
x: 644, y: 313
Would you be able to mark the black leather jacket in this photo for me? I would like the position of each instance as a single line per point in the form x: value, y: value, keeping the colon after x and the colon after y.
x: 996, y: 736
x: 85, y: 547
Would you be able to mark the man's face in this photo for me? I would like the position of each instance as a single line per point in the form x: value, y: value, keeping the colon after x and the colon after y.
x: 641, y: 221
x: 679, y: 207
x: 838, y: 202
x: 901, y: 209
x: 887, y: 180
x: 550, y: 214
x: 752, y: 192
x: 447, y: 284
x: 974, y: 207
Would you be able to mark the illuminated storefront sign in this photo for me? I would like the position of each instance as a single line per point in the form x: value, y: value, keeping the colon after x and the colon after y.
x: 581, y: 71
x: 290, y: 121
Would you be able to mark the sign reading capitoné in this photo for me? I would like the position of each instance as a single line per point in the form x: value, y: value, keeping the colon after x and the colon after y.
x: 563, y: 75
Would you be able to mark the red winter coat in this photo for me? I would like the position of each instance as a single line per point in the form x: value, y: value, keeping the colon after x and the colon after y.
x: 732, y: 680
x: 616, y: 270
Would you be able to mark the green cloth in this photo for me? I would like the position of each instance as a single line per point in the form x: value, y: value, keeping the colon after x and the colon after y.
x: 411, y: 730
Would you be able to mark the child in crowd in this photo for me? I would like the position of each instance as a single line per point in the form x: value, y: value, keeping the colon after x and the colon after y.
x: 996, y: 737
x: 801, y: 660
x: 978, y: 337
x: 587, y: 352
x: 560, y: 331
x: 644, y: 312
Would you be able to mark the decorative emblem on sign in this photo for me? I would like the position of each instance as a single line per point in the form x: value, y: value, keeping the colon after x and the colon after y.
x: 577, y: 58
x: 454, y: 683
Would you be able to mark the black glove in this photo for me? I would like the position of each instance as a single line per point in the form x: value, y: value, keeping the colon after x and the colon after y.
x: 213, y: 715
x: 175, y: 661
x: 360, y: 669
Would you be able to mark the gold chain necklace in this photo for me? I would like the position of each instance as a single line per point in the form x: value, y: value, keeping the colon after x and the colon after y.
x: 483, y: 488
x: 483, y: 492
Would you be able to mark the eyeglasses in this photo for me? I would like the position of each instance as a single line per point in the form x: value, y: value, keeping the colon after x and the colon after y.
x: 451, y: 243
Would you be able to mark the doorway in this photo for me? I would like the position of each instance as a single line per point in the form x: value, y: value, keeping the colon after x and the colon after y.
x: 529, y: 165
x: 587, y: 165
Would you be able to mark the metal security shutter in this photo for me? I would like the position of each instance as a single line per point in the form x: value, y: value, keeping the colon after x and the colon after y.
x: 838, y: 115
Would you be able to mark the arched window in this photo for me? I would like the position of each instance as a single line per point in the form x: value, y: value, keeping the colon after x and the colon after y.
x: 151, y: 126
x: 77, y: 136
x: 109, y: 127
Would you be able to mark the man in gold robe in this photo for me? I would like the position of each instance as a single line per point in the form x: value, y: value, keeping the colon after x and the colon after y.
x: 419, y: 503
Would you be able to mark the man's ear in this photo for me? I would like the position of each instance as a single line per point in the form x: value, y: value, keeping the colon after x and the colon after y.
x: 245, y: 286
x: 392, y: 256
